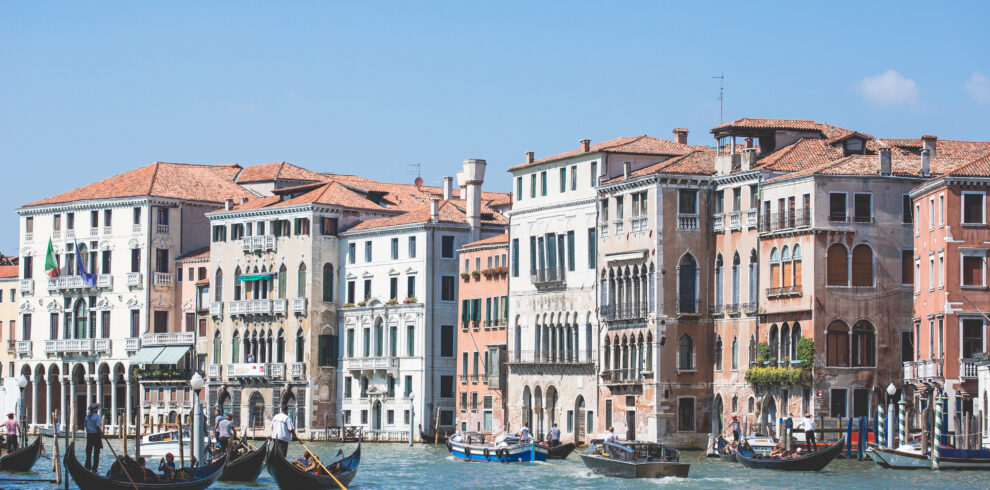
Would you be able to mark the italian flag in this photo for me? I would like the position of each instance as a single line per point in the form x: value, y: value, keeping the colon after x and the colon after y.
x: 51, y: 267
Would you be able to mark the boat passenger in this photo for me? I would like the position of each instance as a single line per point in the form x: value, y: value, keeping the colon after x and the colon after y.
x: 283, y: 430
x: 167, y: 467
x: 525, y: 434
x: 94, y: 437
x: 611, y: 437
x: 305, y: 463
x: 808, y: 425
x: 13, y: 433
x: 554, y: 436
x: 148, y: 474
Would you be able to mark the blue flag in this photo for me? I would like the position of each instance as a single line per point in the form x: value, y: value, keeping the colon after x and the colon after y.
x: 89, y: 279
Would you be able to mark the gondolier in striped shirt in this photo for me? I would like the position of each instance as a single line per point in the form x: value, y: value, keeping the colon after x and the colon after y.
x: 283, y: 430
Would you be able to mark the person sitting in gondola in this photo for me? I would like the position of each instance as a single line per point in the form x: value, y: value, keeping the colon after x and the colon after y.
x: 777, y: 451
x: 167, y: 467
x: 306, y: 463
x: 149, y: 476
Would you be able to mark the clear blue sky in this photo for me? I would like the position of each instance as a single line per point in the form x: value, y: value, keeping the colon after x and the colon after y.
x: 88, y: 90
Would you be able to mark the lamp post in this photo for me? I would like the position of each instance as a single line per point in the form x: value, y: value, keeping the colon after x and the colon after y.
x: 22, y: 383
x: 197, y: 434
x: 891, y: 390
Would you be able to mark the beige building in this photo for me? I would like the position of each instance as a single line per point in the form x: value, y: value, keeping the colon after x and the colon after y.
x: 9, y: 279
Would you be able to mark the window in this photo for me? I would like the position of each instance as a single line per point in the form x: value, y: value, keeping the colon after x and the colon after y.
x: 907, y: 272
x: 973, y: 271
x: 412, y: 247
x: 941, y: 210
x: 718, y: 353
x: 350, y: 292
x: 685, y: 353
x: 328, y: 278
x: 519, y: 184
x: 594, y: 174
x: 301, y: 285
x: 543, y: 183
x: 687, y: 285
x: 347, y: 387
x: 837, y: 261
x: 570, y: 250
x: 837, y: 344
x: 328, y: 227
x: 393, y: 288
x: 735, y: 360
x: 917, y: 219
x: 351, y: 253
x: 907, y: 347
x: 447, y: 247
x: 532, y: 185
x: 515, y: 256
x: 446, y: 386
x: 685, y: 414
x: 367, y: 251
x: 367, y: 289
x: 917, y: 275
x: 941, y: 270
x: 972, y: 207
x: 862, y: 208
x: 931, y: 271
x: 574, y: 177
x: 687, y: 202
x: 592, y: 252
x: 410, y: 286
x: 395, y: 249
x: 774, y: 268
x: 836, y: 206
x: 302, y: 226
x: 410, y: 340
x: 446, y: 340
x: 447, y: 285
x: 135, y: 323
x: 863, y: 345
x: 931, y: 213
x: 972, y: 337
x: 563, y: 180
x: 906, y: 209
x: 862, y: 265
x: 135, y: 260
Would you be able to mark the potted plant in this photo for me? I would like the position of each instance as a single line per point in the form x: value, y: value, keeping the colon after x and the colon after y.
x: 476, y: 274
x: 362, y: 303
x: 392, y: 301
x: 348, y: 305
x: 465, y: 275
x: 410, y: 300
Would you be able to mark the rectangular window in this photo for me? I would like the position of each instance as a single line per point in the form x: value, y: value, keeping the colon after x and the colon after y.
x: 70, y: 221
x: 410, y: 286
x: 446, y: 386
x: 608, y: 413
x: 906, y: 209
x: 135, y: 323
x: 592, y: 246
x: 836, y: 206
x: 543, y: 183
x: 347, y: 387
x: 519, y: 184
x: 94, y: 219
x: 931, y: 213
x: 328, y: 227
x: 563, y: 180
x: 447, y: 247
x: 29, y: 224
x: 446, y: 340
x: 941, y: 210
x: 367, y: 289
x: 410, y: 340
x: 931, y: 271
x: 393, y: 288
x: 367, y: 251
x: 574, y: 177
x: 972, y: 337
x: 594, y: 174
x: 972, y: 270
x: 447, y: 288
x: 135, y: 260
x: 532, y: 185
x: 515, y: 257
x: 863, y: 208
x: 395, y: 249
x: 412, y: 247
x: 570, y: 250
x: 687, y: 202
x: 350, y: 292
x: 532, y: 254
x: 972, y: 208
x: 351, y: 253
x: 941, y: 270
x: 907, y: 275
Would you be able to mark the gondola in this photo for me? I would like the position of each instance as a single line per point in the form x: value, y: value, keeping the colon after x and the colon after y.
x: 813, y: 461
x: 560, y: 451
x: 288, y: 476
x: 86, y: 480
x: 427, y: 438
x: 729, y: 457
x: 22, y: 459
x: 247, y: 467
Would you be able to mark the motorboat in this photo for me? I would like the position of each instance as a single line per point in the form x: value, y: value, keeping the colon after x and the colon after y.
x: 158, y: 444
x: 506, y: 448
x: 911, y: 457
x: 634, y: 459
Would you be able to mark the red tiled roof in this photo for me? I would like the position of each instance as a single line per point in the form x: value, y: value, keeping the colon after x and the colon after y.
x: 331, y: 193
x: 492, y: 240
x: 402, y: 195
x: 277, y: 170
x: 202, y: 253
x: 699, y: 162
x: 977, y: 168
x: 944, y: 148
x: 639, y: 145
x: 903, y: 163
x: 799, y: 155
x: 206, y: 183
x: 8, y: 271
x: 829, y: 131
x: 450, y: 211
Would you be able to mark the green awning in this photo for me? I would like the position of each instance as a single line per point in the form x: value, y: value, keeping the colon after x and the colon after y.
x: 255, y: 277
x: 171, y: 355
x: 146, y: 355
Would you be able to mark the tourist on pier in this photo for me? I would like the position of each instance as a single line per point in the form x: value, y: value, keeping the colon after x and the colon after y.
x: 13, y: 433
x: 808, y: 425
x: 283, y: 430
x: 225, y: 430
x: 611, y: 437
x: 735, y: 428
x: 554, y: 436
x: 94, y: 436
x: 525, y: 434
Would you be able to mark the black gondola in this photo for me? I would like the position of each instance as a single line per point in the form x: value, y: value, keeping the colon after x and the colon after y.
x: 87, y: 480
x: 813, y: 461
x: 288, y: 476
x: 427, y: 438
x: 728, y: 456
x: 22, y: 459
x: 560, y: 451
x: 247, y: 467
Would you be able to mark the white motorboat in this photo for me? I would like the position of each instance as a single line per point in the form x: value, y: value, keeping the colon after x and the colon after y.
x: 761, y: 444
x: 909, y: 456
x: 158, y: 444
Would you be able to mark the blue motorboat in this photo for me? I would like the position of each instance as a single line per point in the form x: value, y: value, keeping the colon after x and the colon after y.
x: 507, y: 448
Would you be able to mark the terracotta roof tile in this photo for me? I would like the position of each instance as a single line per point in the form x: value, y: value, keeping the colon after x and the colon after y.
x: 8, y: 271
x: 799, y: 155
x: 206, y: 183
x: 450, y: 211
x: 943, y: 148
x: 331, y: 193
x: 639, y: 145
x: 492, y: 240
x: 903, y: 164
x: 277, y: 170
x: 698, y: 162
x: 977, y: 168
x: 202, y: 253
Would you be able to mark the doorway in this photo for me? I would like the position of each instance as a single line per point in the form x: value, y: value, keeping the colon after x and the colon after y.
x: 630, y: 425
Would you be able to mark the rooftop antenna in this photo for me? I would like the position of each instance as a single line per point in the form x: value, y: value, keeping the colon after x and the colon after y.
x: 414, y: 169
x: 721, y: 94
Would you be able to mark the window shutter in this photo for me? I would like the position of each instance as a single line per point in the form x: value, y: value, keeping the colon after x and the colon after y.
x: 838, y: 266
x: 862, y: 266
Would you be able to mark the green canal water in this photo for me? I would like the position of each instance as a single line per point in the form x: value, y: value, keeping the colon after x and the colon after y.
x: 426, y: 466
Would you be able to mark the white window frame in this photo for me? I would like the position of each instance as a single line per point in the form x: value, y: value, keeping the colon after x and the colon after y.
x: 941, y: 210
x: 931, y: 213
x: 962, y: 208
x: 854, y: 204
x: 973, y: 252
x: 941, y: 269
x: 846, y: 198
x: 917, y: 219
x: 931, y: 271
x: 917, y: 275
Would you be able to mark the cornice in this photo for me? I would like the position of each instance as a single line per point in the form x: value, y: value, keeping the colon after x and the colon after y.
x: 548, y: 207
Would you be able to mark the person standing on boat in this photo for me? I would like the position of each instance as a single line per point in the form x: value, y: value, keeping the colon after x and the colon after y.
x: 225, y: 430
x: 525, y: 434
x: 611, y: 437
x: 808, y: 425
x: 554, y: 436
x: 94, y: 436
x: 216, y: 423
x: 13, y: 433
x: 283, y: 430
x: 735, y: 428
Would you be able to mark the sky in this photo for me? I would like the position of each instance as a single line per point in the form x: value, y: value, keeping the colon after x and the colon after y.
x: 90, y: 90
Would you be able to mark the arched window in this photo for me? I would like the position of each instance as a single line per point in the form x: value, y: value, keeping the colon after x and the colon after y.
x: 754, y: 278
x: 862, y: 265
x: 785, y: 341
x: 735, y: 363
x: 719, y: 286
x: 607, y: 353
x: 735, y: 403
x: 837, y: 344
x: 685, y: 352
x: 751, y: 405
x: 795, y: 337
x: 283, y: 279
x: 774, y: 268
x: 837, y: 263
x: 787, y: 270
x: 688, y: 284
x: 280, y: 347
x: 235, y: 352
x: 257, y: 406
x: 237, y: 284
x: 735, y: 279
x: 752, y: 348
x: 772, y: 340
x: 649, y: 351
x: 796, y: 257
x: 327, y: 282
x: 82, y: 316
x: 718, y: 353
x: 300, y: 345
x: 218, y: 286
x: 217, y: 346
x: 301, y: 289
x: 863, y: 344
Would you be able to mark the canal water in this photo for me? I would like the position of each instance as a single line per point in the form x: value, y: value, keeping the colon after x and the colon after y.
x: 427, y: 466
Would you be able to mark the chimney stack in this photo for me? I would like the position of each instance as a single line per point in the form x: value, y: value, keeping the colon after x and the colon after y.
x: 474, y: 176
x: 926, y: 162
x: 434, y: 210
x: 885, y: 166
x: 585, y: 146
x: 928, y: 143
x: 529, y: 157
x: 448, y: 188
x: 680, y: 135
x: 228, y: 203
x: 244, y: 200
x: 626, y: 167
x: 749, y: 142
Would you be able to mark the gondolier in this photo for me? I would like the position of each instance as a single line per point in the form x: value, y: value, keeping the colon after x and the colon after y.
x: 554, y: 435
x: 13, y: 433
x: 283, y: 430
x: 94, y: 437
x: 225, y: 430
x: 808, y: 425
x: 735, y: 428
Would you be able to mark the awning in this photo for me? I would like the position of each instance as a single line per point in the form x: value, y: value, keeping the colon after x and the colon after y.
x: 146, y: 355
x: 255, y: 277
x: 171, y: 355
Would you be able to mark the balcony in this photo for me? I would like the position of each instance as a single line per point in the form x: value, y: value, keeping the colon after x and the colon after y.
x: 135, y: 280
x: 639, y: 223
x: 551, y: 276
x: 716, y: 309
x: 108, y: 230
x: 735, y: 219
x: 262, y: 243
x: 161, y: 279
x: 799, y: 218
x: 390, y: 364
x: 622, y: 377
x: 297, y: 369
x: 732, y: 308
x: 910, y: 371
x: 247, y: 370
x: 251, y: 307
x: 688, y: 306
x: 752, y: 218
x: 279, y: 306
x: 967, y: 369
x: 575, y: 357
x: 687, y: 221
x: 29, y: 236
x: 299, y: 306
x: 750, y: 307
x: 161, y: 229
x: 70, y: 235
x: 11, y: 346
x: 213, y: 371
x: 24, y: 347
x: 136, y: 229
x: 27, y: 286
x: 624, y: 312
x: 132, y: 344
x: 276, y: 370
x: 216, y: 308
x: 74, y: 283
x: 784, y: 292
x: 718, y: 223
x: 603, y: 229
x: 929, y: 369
x: 620, y: 227
x: 94, y: 231
x: 77, y: 347
x: 168, y: 338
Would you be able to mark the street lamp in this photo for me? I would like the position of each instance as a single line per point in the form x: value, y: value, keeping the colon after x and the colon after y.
x: 196, y: 383
x: 22, y: 383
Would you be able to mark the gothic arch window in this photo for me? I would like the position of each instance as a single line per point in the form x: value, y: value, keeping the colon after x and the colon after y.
x: 863, y: 344
x: 688, y: 284
x: 774, y: 268
x: 735, y: 279
x: 685, y: 352
x: 718, y: 353
x: 218, y: 286
x: 327, y: 282
x: 786, y: 267
x: 796, y: 258
x: 719, y: 285
x: 837, y: 344
x: 735, y: 362
x: 862, y: 265
x: 837, y: 265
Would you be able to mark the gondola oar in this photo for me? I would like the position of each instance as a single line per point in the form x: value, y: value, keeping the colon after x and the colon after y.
x: 122, y: 466
x: 341, y: 485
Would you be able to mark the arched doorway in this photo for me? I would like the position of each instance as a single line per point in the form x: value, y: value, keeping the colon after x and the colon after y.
x: 718, y: 415
x: 527, y: 407
x: 79, y: 379
x: 224, y: 403
x: 538, y: 429
x: 551, y: 407
x: 768, y: 414
x: 376, y: 416
x: 579, y: 422
x: 289, y: 404
x: 256, y: 404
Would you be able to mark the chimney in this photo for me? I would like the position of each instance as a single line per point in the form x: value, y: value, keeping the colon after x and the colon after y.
x: 926, y: 162
x: 884, y: 161
x: 585, y: 146
x: 928, y: 143
x: 474, y: 176
x: 228, y: 203
x: 680, y: 135
x: 529, y: 157
x: 626, y: 167
x: 460, y: 181
x: 749, y: 142
x: 448, y: 188
x: 244, y: 199
x: 434, y: 210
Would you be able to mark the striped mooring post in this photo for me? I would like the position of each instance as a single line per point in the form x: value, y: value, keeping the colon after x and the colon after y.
x: 936, y: 441
x: 901, y: 422
x: 881, y: 420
